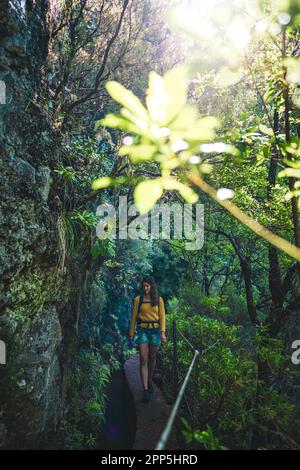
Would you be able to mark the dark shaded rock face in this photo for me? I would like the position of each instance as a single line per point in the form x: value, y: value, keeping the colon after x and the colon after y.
x: 37, y: 405
x: 37, y: 301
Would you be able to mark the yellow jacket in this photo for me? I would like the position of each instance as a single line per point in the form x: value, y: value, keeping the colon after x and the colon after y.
x: 148, y: 313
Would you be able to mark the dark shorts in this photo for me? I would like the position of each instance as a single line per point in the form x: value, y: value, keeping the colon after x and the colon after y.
x: 148, y: 335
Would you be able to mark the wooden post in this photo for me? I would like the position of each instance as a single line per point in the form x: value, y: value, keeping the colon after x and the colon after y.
x: 175, y: 376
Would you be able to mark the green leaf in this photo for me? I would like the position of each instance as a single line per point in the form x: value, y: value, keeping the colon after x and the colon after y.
x: 188, y: 194
x: 119, y: 122
x: 111, y: 250
x: 103, y: 182
x: 146, y: 194
x: 97, y: 250
x: 141, y: 125
x: 166, y: 95
x: 266, y: 130
x: 295, y: 164
x: 127, y: 99
x: 187, y: 117
x: 290, y: 172
x: 138, y: 152
x: 203, y: 129
x: 293, y: 69
x: 227, y: 76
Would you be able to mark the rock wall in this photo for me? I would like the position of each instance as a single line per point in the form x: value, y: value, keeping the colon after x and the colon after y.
x: 39, y: 298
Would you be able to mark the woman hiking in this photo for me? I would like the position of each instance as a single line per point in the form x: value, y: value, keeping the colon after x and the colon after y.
x: 149, y: 313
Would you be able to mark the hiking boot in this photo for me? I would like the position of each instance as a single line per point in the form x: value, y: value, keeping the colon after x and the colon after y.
x: 146, y: 396
x: 150, y: 387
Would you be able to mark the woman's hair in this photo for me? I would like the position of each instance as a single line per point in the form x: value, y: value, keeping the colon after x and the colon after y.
x: 153, y: 291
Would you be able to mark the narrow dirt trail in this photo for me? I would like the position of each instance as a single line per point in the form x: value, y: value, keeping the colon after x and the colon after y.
x: 151, y: 417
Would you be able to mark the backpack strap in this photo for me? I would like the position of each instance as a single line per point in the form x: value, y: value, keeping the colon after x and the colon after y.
x: 143, y: 321
x: 140, y: 303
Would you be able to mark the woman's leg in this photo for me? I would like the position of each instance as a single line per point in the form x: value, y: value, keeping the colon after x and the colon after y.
x: 152, y: 360
x: 144, y: 353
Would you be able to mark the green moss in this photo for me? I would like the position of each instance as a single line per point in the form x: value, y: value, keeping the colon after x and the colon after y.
x: 30, y: 294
